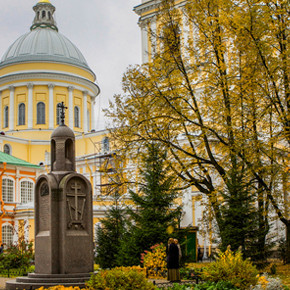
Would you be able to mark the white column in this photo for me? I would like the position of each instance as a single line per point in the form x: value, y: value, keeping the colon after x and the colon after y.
x: 205, y: 257
x: 185, y: 33
x: 153, y: 36
x: 52, y: 108
x: 145, y: 41
x: 93, y: 108
x: 11, y: 108
x: 30, y: 106
x: 18, y: 188
x: 85, y: 109
x: 26, y: 229
x: 70, y: 107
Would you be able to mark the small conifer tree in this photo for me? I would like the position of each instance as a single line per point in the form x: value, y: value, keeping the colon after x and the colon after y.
x: 154, y: 209
x: 109, y: 236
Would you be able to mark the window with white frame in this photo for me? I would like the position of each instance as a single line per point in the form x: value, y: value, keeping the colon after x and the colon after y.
x: 6, y: 116
x: 21, y: 114
x: 40, y: 113
x: 7, y: 190
x: 7, y: 235
x: 7, y: 149
x: 77, y: 117
x: 105, y: 145
x: 26, y: 189
x: 88, y: 120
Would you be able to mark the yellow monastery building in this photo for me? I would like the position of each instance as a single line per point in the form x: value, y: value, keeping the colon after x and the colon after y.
x: 41, y: 69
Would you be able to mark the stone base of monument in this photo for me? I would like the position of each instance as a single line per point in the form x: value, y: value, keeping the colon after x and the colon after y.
x: 34, y: 281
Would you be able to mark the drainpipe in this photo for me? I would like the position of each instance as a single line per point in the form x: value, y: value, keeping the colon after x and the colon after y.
x: 1, y: 198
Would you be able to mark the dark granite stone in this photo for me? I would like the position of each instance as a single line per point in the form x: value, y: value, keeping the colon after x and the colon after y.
x: 63, y: 221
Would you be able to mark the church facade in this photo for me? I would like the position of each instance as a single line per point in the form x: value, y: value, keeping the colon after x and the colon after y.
x: 39, y: 71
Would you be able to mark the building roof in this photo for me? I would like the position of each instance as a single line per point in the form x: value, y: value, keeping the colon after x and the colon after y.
x: 44, y: 45
x: 11, y: 160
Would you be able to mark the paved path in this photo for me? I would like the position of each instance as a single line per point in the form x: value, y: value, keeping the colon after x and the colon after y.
x: 3, y: 281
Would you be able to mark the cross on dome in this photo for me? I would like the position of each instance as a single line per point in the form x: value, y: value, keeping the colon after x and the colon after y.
x: 62, y: 112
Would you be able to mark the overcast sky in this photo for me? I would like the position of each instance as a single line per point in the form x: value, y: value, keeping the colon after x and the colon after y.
x: 105, y: 31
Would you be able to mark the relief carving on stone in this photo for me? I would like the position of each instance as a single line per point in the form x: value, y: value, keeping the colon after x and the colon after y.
x: 44, y: 190
x: 76, y: 200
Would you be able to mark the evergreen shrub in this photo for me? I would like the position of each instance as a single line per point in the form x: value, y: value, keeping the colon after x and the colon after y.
x: 231, y: 267
x: 119, y: 279
x: 18, y: 256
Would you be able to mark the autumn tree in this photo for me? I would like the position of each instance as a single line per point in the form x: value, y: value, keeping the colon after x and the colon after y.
x: 217, y: 96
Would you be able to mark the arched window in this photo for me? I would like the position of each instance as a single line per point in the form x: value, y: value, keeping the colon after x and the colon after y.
x: 26, y: 189
x: 40, y: 113
x: 58, y: 111
x: 6, y: 116
x: 88, y: 120
x: 38, y: 15
x: 7, y: 149
x: 105, y: 145
x: 43, y: 14
x: 77, y: 117
x: 21, y: 114
x: 49, y: 15
x: 7, y: 190
x: 7, y: 235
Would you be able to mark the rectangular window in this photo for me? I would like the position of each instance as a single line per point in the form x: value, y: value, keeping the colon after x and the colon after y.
x: 7, y: 190
x: 26, y: 191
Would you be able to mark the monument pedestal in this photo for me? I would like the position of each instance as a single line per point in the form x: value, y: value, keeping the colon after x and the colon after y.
x: 63, y: 221
x: 34, y: 281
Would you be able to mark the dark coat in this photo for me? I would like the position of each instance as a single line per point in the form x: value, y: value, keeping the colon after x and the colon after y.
x: 173, y: 257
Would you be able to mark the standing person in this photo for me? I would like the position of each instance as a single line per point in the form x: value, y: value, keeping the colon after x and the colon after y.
x: 173, y: 262
x: 1, y: 249
x: 179, y: 249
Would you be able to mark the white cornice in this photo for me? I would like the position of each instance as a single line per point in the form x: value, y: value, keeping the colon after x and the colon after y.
x: 24, y: 141
x: 78, y: 136
x: 50, y: 75
x: 150, y: 6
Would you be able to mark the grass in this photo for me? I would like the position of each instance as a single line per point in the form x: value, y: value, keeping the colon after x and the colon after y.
x: 196, y: 265
x: 283, y: 271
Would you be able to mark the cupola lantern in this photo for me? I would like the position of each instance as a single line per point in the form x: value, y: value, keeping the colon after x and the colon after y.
x: 44, y: 15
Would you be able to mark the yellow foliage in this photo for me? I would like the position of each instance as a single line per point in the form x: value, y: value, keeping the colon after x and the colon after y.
x: 262, y: 280
x: 230, y: 266
x: 154, y: 261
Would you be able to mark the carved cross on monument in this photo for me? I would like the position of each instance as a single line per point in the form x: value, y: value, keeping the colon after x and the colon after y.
x: 78, y: 206
x: 62, y: 112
